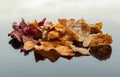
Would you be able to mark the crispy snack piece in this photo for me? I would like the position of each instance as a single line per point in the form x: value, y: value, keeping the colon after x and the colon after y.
x: 62, y: 21
x: 66, y: 37
x: 28, y: 45
x: 64, y: 50
x: 80, y: 30
x: 97, y: 39
x: 60, y: 28
x: 55, y: 45
x: 83, y: 51
x: 53, y: 35
x: 96, y: 28
x: 35, y: 24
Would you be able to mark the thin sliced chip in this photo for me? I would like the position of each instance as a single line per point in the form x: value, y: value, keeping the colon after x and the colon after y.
x: 97, y: 39
x: 80, y: 30
x: 28, y: 45
x: 64, y: 51
x: 83, y: 51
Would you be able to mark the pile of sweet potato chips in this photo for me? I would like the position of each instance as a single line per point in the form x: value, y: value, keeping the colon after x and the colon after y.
x: 66, y: 37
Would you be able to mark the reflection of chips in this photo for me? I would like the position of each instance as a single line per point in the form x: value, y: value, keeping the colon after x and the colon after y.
x: 51, y: 55
x: 101, y: 52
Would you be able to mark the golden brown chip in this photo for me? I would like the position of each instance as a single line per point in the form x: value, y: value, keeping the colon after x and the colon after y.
x: 64, y: 50
x: 38, y: 48
x: 83, y: 51
x: 80, y: 30
x: 70, y: 22
x: 60, y: 28
x: 28, y: 45
x: 98, y: 39
x: 98, y: 25
x: 62, y: 21
x: 96, y: 28
x: 57, y: 46
x: 67, y: 37
x: 53, y: 35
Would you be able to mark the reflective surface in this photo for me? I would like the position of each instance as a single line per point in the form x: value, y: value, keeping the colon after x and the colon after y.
x: 99, y: 52
x: 14, y: 63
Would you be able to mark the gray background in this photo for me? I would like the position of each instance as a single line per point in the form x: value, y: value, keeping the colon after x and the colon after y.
x: 15, y: 64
